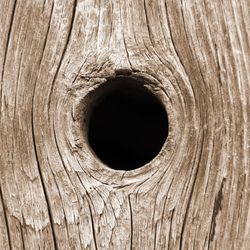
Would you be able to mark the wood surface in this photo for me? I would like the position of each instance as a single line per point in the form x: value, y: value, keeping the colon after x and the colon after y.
x: 55, y: 194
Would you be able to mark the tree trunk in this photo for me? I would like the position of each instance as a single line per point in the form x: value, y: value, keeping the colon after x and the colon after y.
x: 55, y: 193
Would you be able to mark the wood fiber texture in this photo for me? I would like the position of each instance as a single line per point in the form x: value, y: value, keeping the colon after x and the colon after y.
x: 54, y: 194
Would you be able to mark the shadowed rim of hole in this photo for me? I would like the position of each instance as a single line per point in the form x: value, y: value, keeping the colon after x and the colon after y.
x: 126, y: 123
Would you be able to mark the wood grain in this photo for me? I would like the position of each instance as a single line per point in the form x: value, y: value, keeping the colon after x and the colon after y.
x: 54, y: 194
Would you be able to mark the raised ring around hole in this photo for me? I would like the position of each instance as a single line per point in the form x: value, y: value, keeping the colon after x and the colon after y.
x: 127, y: 125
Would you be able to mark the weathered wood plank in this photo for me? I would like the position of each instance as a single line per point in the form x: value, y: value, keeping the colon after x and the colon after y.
x: 54, y: 194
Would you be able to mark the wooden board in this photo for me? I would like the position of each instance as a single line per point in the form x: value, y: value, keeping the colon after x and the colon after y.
x: 54, y: 194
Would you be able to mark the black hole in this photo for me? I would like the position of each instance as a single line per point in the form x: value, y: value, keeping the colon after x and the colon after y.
x: 127, y: 124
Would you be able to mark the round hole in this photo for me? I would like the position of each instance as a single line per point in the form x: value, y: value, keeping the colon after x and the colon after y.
x: 127, y: 124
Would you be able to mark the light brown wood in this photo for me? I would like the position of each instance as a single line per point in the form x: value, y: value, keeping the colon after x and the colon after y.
x: 54, y: 194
